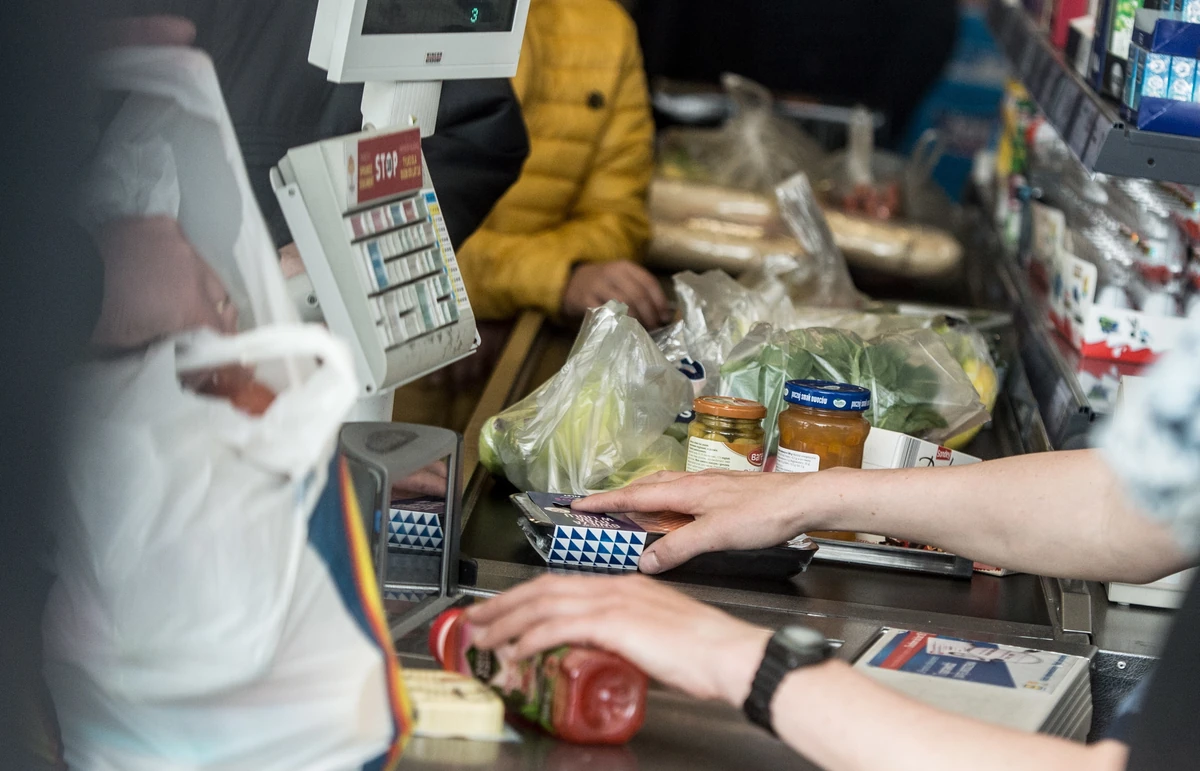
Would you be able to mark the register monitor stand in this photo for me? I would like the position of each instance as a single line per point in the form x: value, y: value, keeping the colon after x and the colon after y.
x: 396, y: 105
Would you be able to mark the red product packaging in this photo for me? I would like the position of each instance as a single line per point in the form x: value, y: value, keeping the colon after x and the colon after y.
x: 581, y: 695
x: 241, y: 389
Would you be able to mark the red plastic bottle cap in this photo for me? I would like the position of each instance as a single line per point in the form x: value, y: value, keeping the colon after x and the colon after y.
x: 439, y: 633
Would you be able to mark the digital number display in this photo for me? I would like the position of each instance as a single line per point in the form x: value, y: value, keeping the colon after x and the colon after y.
x: 434, y: 17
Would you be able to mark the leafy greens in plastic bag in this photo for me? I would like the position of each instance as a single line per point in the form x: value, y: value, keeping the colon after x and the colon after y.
x: 916, y: 385
x: 600, y: 421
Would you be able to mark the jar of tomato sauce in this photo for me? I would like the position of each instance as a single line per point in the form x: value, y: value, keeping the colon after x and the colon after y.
x: 824, y: 426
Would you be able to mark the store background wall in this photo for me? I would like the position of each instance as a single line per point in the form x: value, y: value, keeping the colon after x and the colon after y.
x: 882, y: 53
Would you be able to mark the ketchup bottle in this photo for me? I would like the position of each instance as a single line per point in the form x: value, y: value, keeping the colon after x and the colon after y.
x: 578, y: 694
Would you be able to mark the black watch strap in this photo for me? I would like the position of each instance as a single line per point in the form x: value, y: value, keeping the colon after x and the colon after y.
x: 790, y: 648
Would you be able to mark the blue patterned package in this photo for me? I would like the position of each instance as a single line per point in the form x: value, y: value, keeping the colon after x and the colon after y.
x: 416, y: 523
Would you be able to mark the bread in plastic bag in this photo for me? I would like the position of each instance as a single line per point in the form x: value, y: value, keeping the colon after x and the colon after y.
x: 604, y: 412
x: 917, y: 387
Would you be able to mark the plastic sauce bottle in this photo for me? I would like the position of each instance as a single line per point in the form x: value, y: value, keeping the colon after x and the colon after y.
x: 824, y: 426
x: 578, y: 694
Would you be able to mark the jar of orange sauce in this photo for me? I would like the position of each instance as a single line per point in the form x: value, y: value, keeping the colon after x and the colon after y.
x: 824, y: 426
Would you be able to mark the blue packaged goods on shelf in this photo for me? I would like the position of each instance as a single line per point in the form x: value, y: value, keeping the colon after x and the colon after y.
x: 1183, y: 79
x: 1160, y: 34
x: 1163, y: 65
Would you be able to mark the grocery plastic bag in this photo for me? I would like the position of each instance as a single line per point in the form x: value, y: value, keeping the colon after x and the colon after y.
x: 603, y: 414
x: 754, y: 150
x: 210, y: 608
x: 916, y: 385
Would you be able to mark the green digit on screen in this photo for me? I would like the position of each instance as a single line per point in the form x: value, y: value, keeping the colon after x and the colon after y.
x: 474, y: 15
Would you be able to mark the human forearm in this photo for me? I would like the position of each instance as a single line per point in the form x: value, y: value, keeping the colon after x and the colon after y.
x: 863, y: 725
x: 1059, y: 514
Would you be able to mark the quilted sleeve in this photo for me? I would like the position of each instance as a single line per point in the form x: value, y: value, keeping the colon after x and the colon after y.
x: 506, y: 272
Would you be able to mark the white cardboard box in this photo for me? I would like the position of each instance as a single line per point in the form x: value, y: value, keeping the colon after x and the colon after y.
x: 891, y: 449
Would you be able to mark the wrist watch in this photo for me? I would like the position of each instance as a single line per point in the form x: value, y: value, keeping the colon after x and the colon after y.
x: 791, y: 648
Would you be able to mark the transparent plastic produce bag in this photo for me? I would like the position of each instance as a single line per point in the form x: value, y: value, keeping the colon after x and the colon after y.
x: 917, y: 386
x: 600, y: 421
x: 755, y: 149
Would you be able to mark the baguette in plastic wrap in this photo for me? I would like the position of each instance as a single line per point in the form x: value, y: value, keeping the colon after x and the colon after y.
x: 911, y: 251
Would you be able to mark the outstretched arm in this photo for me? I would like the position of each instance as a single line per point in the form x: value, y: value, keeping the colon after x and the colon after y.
x: 1060, y: 514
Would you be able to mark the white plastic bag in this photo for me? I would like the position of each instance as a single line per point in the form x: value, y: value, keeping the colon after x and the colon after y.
x: 207, y: 612
x: 192, y: 624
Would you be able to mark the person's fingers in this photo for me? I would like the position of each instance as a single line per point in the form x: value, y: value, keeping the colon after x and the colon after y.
x: 160, y: 30
x: 217, y: 310
x: 483, y: 613
x: 678, y: 546
x: 651, y: 290
x: 519, y: 619
x: 660, y: 477
x: 631, y: 290
x: 676, y: 495
x: 597, y: 629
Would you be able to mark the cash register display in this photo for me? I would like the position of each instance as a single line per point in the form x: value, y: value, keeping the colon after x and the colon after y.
x: 433, y: 17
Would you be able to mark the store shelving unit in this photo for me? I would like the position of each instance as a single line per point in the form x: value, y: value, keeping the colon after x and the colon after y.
x: 1090, y: 124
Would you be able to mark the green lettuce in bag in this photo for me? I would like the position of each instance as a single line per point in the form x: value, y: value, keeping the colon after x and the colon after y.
x: 917, y: 386
x: 600, y: 421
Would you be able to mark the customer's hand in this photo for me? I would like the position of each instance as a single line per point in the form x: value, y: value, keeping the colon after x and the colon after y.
x: 593, y: 284
x: 155, y: 285
x: 733, y: 510
x: 673, y: 638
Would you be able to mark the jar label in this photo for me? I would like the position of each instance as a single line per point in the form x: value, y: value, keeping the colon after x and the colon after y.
x: 705, y: 453
x: 793, y: 462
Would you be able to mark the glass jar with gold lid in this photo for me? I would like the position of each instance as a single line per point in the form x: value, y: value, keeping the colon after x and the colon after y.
x: 726, y: 434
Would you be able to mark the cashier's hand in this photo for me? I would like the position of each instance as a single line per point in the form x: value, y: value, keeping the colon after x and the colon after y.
x: 734, y: 510
x: 156, y: 285
x: 672, y: 638
x: 593, y: 284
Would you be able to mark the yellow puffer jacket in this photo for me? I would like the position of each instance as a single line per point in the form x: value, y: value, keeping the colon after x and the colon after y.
x: 581, y: 196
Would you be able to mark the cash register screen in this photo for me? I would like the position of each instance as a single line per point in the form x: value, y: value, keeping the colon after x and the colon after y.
x: 433, y: 17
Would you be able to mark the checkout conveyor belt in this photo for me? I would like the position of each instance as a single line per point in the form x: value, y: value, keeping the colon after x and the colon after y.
x: 849, y: 604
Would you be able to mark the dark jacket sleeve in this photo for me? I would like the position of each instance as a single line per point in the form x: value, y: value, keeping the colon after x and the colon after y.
x: 477, y: 152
